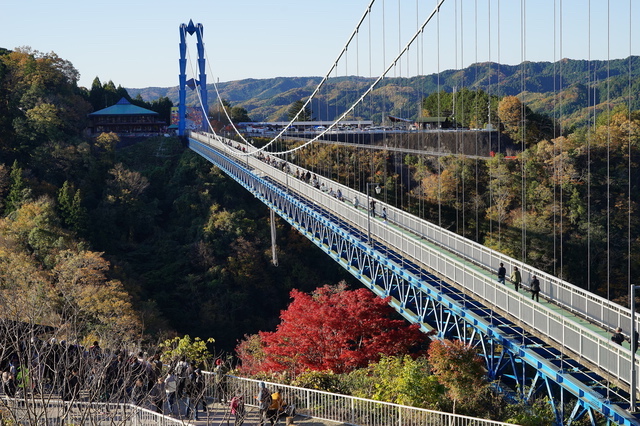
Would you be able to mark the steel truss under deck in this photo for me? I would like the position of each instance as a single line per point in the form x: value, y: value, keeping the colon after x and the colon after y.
x: 512, y: 355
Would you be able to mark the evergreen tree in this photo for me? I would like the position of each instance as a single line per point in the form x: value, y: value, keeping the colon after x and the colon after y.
x: 163, y: 107
x: 305, y: 113
x: 97, y: 95
x: 239, y: 114
x: 70, y: 208
x: 65, y: 201
x: 18, y: 190
x: 79, y: 216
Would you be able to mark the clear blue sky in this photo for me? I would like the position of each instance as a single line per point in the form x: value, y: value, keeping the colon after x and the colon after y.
x: 135, y: 43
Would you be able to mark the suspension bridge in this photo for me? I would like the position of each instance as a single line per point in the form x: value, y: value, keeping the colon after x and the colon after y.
x: 560, y: 346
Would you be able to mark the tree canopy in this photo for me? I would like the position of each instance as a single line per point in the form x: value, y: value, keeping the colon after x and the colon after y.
x: 299, y: 112
x: 331, y: 329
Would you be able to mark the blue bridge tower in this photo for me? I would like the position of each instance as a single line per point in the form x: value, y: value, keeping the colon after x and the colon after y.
x: 200, y: 84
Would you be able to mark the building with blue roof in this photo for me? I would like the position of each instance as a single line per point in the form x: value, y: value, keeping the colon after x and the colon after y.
x: 126, y: 119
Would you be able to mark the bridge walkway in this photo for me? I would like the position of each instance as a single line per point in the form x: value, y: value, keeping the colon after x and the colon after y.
x: 548, y: 358
x: 219, y: 414
x: 509, y: 326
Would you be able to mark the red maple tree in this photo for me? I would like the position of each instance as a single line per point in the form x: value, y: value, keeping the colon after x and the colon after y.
x: 332, y: 329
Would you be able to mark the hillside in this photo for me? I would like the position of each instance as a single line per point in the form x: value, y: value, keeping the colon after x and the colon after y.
x: 568, y: 85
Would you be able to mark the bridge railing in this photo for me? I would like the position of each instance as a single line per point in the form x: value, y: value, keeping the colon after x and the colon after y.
x: 567, y: 333
x: 55, y: 411
x: 596, y: 309
x: 351, y: 410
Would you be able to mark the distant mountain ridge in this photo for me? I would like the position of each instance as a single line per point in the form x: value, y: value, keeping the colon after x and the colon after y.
x: 569, y: 86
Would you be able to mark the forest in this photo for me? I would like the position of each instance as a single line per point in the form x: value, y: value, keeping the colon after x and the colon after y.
x: 148, y: 242
x: 182, y: 250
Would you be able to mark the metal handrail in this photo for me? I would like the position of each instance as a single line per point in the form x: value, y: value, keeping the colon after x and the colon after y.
x: 53, y: 410
x: 565, y: 331
x: 351, y: 410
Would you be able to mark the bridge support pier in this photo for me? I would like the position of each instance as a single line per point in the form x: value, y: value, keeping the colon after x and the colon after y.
x: 274, y: 252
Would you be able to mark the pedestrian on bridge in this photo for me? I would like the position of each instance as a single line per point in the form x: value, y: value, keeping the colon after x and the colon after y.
x: 237, y: 409
x: 372, y: 206
x: 170, y: 388
x: 264, y: 402
x: 157, y: 395
x: 516, y: 278
x: 618, y: 337
x: 535, y: 289
x: 502, y: 273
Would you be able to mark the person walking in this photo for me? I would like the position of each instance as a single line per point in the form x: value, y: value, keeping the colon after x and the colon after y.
x: 157, y: 395
x: 237, y: 408
x: 502, y: 273
x: 516, y: 278
x: 182, y: 372
x: 170, y: 388
x: 535, y: 289
x: 264, y: 402
x: 618, y: 337
x: 195, y: 394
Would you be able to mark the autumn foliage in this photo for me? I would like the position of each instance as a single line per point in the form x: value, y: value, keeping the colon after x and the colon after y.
x: 459, y: 368
x: 60, y: 283
x: 330, y: 329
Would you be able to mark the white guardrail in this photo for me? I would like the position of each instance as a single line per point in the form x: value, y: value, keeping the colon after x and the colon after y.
x: 594, y: 308
x: 48, y: 410
x: 567, y: 333
x: 351, y: 410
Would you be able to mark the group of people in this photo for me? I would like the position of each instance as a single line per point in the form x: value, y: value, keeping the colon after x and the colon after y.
x: 77, y: 373
x: 313, y: 180
x: 516, y: 279
x: 183, y: 380
x: 271, y: 406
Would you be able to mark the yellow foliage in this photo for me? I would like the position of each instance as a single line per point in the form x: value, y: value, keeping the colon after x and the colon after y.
x: 22, y: 286
x: 80, y: 278
x: 617, y: 133
x: 510, y: 114
x: 75, y: 294
x: 194, y: 350
x: 440, y: 189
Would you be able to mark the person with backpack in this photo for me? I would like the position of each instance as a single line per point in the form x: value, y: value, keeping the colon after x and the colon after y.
x: 276, y: 409
x: 516, y: 278
x: 220, y: 378
x: 502, y: 273
x: 618, y: 337
x: 237, y: 408
x: 535, y: 289
x: 264, y: 402
x: 182, y: 373
x: 170, y: 387
x: 195, y: 393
